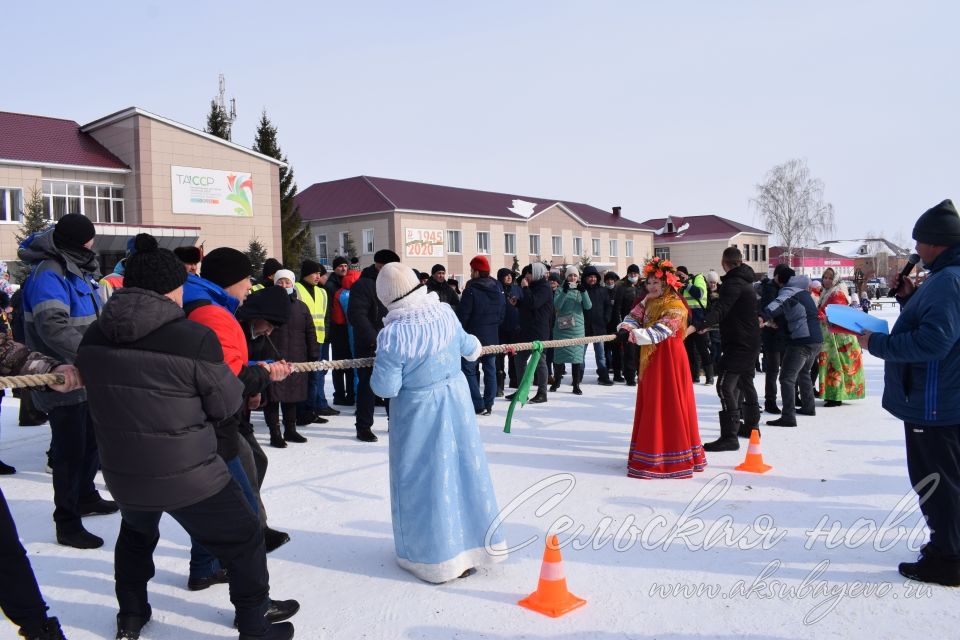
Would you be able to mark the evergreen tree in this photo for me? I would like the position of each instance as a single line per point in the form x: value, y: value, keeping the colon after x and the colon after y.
x: 584, y: 262
x: 294, y: 235
x: 515, y: 267
x: 34, y: 220
x: 257, y: 254
x: 349, y: 248
x: 217, y: 122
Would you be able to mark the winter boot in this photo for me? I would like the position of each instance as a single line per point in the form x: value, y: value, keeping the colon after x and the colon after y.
x: 932, y: 567
x: 708, y: 371
x: 278, y: 631
x: 631, y: 378
x: 745, y: 431
x: 728, y: 434
x: 618, y: 376
x: 273, y: 539
x: 771, y: 407
x: 501, y: 377
x: 577, y: 374
x: 49, y: 630
x: 557, y: 376
x: 603, y: 378
x: 129, y: 627
x: 290, y: 433
x: 276, y: 438
x: 539, y: 398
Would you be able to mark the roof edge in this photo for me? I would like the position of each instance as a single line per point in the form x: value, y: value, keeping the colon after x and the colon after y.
x: 69, y: 167
x: 129, y: 112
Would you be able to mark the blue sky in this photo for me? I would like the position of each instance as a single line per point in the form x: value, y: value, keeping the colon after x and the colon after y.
x: 662, y: 108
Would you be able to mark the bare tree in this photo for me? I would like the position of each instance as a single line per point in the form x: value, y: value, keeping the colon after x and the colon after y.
x: 790, y: 203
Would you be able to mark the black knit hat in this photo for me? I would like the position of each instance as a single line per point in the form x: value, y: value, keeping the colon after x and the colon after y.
x: 385, y: 256
x: 73, y: 231
x: 270, y: 303
x: 188, y: 255
x: 683, y: 270
x: 611, y: 275
x: 225, y: 267
x: 270, y: 267
x: 437, y: 267
x: 309, y: 267
x: 339, y: 260
x: 783, y: 273
x: 939, y: 225
x: 633, y: 269
x: 153, y: 268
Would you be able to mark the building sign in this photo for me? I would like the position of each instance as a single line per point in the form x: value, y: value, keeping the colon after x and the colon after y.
x: 423, y: 243
x: 210, y: 192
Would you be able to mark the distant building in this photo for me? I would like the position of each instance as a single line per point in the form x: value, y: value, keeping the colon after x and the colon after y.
x: 132, y: 172
x: 428, y: 224
x: 697, y: 242
x: 812, y: 262
x: 873, y: 257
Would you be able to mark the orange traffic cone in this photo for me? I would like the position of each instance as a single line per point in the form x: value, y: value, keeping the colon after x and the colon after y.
x: 754, y: 460
x: 551, y: 597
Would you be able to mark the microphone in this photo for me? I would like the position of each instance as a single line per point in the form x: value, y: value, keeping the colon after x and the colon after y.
x: 911, y: 263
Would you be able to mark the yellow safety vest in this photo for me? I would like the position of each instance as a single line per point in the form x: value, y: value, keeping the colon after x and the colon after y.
x: 317, y: 306
x: 256, y: 288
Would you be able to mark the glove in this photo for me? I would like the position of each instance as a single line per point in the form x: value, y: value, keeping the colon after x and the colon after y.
x: 566, y: 287
x: 582, y: 288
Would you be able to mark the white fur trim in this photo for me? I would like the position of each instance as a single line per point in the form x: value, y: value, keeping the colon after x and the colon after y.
x: 476, y: 354
x: 454, y: 568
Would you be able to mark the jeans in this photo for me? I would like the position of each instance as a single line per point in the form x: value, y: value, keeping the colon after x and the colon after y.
x: 936, y: 450
x: 20, y: 597
x: 795, y: 369
x: 75, y: 460
x: 471, y: 371
x: 204, y: 564
x: 223, y: 523
x: 539, y: 376
x: 599, y: 353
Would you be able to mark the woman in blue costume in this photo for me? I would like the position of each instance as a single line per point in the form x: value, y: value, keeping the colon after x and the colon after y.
x: 441, y: 495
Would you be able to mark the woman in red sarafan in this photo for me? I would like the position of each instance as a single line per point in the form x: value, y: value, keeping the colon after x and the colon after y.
x: 666, y: 436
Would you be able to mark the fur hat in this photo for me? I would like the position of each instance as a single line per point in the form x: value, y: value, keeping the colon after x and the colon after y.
x: 339, y: 260
x: 189, y: 255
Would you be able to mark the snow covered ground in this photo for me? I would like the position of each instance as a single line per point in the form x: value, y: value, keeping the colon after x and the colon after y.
x: 564, y: 465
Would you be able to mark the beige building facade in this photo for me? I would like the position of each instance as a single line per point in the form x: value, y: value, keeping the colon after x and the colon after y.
x: 145, y: 173
x: 698, y: 242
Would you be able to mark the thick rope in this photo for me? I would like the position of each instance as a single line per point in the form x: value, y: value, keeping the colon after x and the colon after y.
x: 43, y: 379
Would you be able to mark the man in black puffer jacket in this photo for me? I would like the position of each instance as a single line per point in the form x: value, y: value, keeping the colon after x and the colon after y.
x: 536, y: 313
x: 481, y: 311
x: 157, y: 384
x: 736, y: 313
x: 595, y: 321
x: 365, y: 315
x: 774, y: 343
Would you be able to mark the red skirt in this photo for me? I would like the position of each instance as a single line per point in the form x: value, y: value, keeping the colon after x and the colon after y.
x: 666, y: 436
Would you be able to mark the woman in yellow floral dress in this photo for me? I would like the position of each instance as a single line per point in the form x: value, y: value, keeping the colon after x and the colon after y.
x: 841, y: 360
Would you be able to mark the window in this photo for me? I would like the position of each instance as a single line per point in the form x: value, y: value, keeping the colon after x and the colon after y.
x: 628, y: 248
x: 99, y: 202
x: 662, y: 252
x: 556, y: 245
x: 453, y: 241
x: 483, y: 242
x: 344, y: 236
x: 367, y: 241
x: 763, y: 252
x: 11, y: 204
x: 510, y: 243
x: 595, y: 244
x: 756, y: 252
x: 322, y: 248
x: 534, y: 245
x: 613, y: 248
x: 577, y: 247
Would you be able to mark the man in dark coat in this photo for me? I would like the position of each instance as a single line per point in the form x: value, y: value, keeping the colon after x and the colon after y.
x: 774, y: 343
x: 365, y: 315
x: 157, y: 384
x: 613, y: 350
x: 438, y: 284
x: 338, y: 335
x: 596, y: 319
x: 921, y: 371
x: 626, y: 294
x: 481, y: 311
x: 795, y: 308
x: 536, y: 313
x: 736, y: 313
x: 509, y: 330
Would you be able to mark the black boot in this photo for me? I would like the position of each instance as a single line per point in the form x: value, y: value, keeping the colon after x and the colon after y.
x: 49, y: 630
x: 129, y: 627
x: 539, y: 398
x: 618, y: 376
x: 199, y: 584
x: 728, y: 434
x: 366, y: 435
x: 577, y: 374
x: 276, y: 438
x: 557, y: 376
x: 603, y: 378
x: 708, y: 371
x: 278, y: 611
x: 278, y: 631
x: 631, y: 378
x: 81, y: 539
x: 771, y: 407
x: 290, y: 434
x: 6, y: 470
x: 273, y: 539
x: 932, y: 567
x: 501, y: 377
x: 746, y: 431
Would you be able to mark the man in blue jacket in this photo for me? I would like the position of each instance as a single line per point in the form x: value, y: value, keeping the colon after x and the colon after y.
x: 921, y: 379
x: 481, y: 311
x: 794, y: 307
x: 60, y: 300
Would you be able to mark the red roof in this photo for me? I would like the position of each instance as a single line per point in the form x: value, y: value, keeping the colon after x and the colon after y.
x: 708, y: 227
x: 43, y: 140
x: 365, y: 194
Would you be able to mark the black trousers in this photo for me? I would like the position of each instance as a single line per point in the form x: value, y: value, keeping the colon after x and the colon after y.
x: 223, y: 523
x: 738, y: 398
x: 20, y: 596
x: 771, y: 367
x: 75, y: 461
x: 366, y: 399
x: 698, y: 354
x: 340, y: 349
x: 936, y: 450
